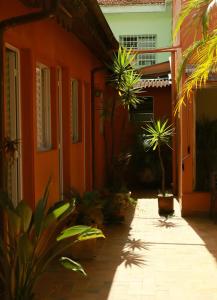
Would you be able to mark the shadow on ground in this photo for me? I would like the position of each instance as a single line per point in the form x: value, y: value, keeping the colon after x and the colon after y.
x: 118, y: 248
x: 206, y: 229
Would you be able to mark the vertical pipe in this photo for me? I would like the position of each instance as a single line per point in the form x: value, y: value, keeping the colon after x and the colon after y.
x: 174, y: 145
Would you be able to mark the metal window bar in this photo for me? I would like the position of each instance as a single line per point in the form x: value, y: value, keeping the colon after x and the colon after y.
x: 136, y: 42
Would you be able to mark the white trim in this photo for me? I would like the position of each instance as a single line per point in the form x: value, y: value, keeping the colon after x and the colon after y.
x: 46, y: 143
x: 117, y: 9
x: 19, y: 122
x: 60, y: 129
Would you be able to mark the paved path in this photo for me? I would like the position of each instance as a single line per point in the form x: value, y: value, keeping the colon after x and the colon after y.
x: 149, y: 259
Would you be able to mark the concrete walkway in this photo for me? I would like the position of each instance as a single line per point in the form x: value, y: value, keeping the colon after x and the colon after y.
x: 149, y: 259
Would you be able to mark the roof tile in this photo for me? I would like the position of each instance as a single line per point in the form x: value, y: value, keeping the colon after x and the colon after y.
x: 130, y: 2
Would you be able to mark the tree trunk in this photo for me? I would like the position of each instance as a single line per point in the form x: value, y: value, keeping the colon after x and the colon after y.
x: 162, y: 172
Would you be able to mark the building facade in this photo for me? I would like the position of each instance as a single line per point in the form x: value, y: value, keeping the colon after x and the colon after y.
x: 141, y: 25
x: 52, y: 64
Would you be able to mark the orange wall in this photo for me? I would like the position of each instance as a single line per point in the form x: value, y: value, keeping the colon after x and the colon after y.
x: 46, y: 42
x: 192, y: 202
x: 195, y: 204
x: 162, y: 102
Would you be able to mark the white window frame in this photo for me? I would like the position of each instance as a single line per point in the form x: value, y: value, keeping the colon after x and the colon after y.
x: 141, y: 42
x: 43, y: 107
x: 17, y: 194
x: 75, y: 113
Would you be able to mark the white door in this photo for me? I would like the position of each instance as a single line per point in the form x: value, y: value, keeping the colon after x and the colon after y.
x: 13, y: 127
x: 60, y: 142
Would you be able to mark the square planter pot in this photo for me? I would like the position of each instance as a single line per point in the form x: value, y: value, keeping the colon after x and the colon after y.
x: 165, y: 205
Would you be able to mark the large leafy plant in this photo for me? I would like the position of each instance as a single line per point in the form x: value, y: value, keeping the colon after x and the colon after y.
x: 32, y: 240
x: 158, y: 134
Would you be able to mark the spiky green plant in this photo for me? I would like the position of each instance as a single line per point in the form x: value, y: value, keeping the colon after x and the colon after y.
x: 157, y: 134
x: 202, y: 52
x: 32, y: 240
x: 125, y: 78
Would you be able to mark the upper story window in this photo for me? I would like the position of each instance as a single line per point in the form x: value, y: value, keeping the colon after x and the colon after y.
x: 139, y: 42
x: 43, y: 107
x: 144, y: 112
x: 75, y: 112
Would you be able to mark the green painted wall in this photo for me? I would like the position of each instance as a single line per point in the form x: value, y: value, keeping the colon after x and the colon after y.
x: 159, y: 23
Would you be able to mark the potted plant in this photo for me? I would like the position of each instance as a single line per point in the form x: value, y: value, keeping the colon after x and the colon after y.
x: 157, y: 135
x: 116, y: 205
x: 89, y: 212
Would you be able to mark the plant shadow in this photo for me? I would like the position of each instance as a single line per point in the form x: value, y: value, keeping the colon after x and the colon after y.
x: 166, y: 223
x: 119, y: 249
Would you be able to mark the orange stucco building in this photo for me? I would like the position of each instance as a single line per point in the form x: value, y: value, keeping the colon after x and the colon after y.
x: 53, y: 56
x: 194, y: 198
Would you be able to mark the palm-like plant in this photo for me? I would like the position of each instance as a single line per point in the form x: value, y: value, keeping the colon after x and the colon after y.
x: 157, y: 134
x: 125, y: 79
x: 202, y: 53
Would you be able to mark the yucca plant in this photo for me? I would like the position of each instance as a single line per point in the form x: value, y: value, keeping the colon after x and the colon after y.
x: 202, y: 52
x: 125, y: 77
x: 125, y: 80
x: 32, y: 240
x: 158, y: 134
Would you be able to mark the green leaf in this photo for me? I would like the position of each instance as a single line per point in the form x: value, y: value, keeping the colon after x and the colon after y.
x: 72, y: 231
x: 25, y: 248
x: 40, y: 209
x: 92, y: 233
x: 57, y: 212
x: 25, y: 212
x: 72, y: 265
x: 14, y: 221
x: 60, y: 210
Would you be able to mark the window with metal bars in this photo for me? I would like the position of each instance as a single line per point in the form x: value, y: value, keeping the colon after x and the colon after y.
x: 139, y: 42
x: 43, y: 106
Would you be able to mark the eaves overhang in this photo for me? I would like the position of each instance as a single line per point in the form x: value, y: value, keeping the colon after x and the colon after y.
x: 86, y: 20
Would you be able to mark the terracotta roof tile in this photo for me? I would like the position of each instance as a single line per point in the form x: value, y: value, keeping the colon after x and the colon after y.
x: 157, y: 83
x: 130, y: 2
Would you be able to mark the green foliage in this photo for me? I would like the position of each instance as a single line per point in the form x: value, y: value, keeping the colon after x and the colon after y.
x: 125, y: 78
x: 202, y: 52
x: 32, y: 240
x: 158, y: 134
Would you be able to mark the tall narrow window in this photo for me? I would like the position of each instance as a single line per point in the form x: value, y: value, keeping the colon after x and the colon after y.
x: 43, y: 106
x: 141, y: 42
x: 75, y: 112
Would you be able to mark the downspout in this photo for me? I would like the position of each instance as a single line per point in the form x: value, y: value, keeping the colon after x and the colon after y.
x: 174, y: 144
x: 93, y: 127
x: 4, y: 25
